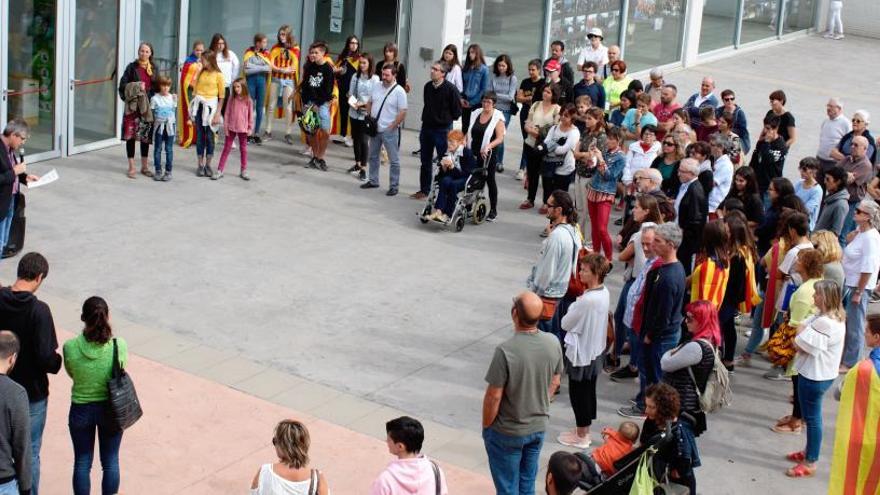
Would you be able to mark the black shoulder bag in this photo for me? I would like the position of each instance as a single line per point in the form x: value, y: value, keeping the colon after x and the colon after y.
x: 125, y: 407
x: 371, y: 124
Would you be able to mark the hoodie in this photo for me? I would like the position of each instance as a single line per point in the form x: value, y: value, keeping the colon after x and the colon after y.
x: 31, y: 321
x: 834, y: 210
x: 90, y: 365
x: 409, y: 477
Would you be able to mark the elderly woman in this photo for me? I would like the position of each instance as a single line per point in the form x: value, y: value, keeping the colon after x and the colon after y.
x: 861, y: 261
x: 722, y: 173
x: 586, y: 326
x: 486, y: 134
x: 860, y: 121
x: 819, y: 344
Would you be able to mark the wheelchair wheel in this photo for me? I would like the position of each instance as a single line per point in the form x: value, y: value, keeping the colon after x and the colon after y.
x: 423, y: 216
x: 480, y: 210
x: 459, y: 223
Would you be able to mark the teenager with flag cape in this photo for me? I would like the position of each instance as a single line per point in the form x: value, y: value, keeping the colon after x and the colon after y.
x: 186, y: 131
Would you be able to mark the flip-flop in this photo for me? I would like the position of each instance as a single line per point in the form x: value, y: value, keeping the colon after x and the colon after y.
x: 800, y: 471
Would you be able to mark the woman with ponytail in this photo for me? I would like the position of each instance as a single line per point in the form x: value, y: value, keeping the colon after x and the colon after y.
x: 88, y: 359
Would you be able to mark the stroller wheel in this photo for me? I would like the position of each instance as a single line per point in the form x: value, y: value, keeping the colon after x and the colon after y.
x: 459, y: 223
x: 480, y: 210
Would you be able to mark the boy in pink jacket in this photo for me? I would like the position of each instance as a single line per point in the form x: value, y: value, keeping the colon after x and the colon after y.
x: 411, y: 473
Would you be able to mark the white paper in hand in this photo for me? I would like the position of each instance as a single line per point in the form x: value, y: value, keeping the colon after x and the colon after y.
x: 352, y: 101
x: 48, y: 178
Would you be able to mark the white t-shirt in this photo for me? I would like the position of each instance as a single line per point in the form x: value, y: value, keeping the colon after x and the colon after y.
x: 229, y: 67
x: 862, y: 255
x: 820, y: 348
x: 395, y: 104
x: 786, y: 267
x: 270, y: 483
x: 599, y: 56
x: 830, y: 134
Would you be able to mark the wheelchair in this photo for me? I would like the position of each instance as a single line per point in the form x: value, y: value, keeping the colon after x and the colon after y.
x: 471, y: 202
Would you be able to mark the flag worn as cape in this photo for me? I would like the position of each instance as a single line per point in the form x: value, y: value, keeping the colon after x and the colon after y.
x: 855, y: 465
x: 709, y: 282
x: 186, y: 132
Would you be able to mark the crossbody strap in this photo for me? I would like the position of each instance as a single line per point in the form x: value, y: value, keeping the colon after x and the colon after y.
x: 436, y: 477
x: 114, y: 373
x: 379, y: 113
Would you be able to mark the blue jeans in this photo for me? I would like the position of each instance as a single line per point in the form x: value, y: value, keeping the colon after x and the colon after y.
x: 513, y: 461
x: 204, y: 135
x: 499, y: 151
x: 257, y: 89
x: 447, y: 194
x: 431, y: 140
x: 849, y: 224
x: 6, y: 224
x: 650, y: 372
x: 619, y: 328
x: 855, y: 325
x: 82, y: 421
x: 9, y: 488
x: 163, y: 140
x: 388, y: 139
x: 810, y: 395
x: 38, y: 411
x: 757, y: 329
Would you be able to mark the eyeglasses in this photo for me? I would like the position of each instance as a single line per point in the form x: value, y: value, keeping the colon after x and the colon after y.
x: 438, y: 69
x: 668, y: 143
x: 589, y: 70
x: 858, y: 121
x: 729, y: 98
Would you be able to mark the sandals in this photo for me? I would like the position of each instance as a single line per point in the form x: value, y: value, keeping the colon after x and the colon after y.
x: 147, y: 172
x: 132, y: 174
x: 526, y: 205
x: 798, y: 456
x: 787, y: 428
x: 800, y: 471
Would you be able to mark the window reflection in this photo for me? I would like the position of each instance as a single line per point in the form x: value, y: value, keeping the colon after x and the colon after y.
x: 653, y: 33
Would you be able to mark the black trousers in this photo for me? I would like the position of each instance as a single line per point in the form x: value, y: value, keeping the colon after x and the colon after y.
x: 129, y: 148
x: 556, y: 182
x: 466, y: 119
x: 361, y: 142
x: 796, y: 408
x: 343, y: 115
x: 727, y: 317
x: 583, y: 401
x: 533, y: 171
x: 490, y: 181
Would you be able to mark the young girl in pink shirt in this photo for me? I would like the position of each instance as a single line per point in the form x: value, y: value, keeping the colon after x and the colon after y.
x: 239, y: 123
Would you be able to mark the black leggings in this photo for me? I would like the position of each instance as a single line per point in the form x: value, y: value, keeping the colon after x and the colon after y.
x: 129, y: 148
x: 490, y: 181
x: 533, y: 171
x: 796, y: 407
x: 343, y: 115
x: 556, y: 182
x: 361, y: 141
x: 727, y: 316
x: 466, y: 119
x: 583, y: 401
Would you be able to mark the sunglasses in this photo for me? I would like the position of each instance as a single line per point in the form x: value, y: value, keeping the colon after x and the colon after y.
x: 857, y: 121
x: 668, y: 143
x: 729, y: 98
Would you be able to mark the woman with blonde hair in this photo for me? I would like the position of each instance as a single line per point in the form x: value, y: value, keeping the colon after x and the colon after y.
x: 291, y: 475
x: 827, y: 244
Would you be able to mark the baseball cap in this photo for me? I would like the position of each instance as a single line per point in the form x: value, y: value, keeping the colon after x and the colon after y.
x: 595, y: 32
x: 552, y: 65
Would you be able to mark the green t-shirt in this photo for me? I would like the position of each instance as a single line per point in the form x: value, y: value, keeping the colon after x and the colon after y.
x: 90, y: 365
x: 524, y: 366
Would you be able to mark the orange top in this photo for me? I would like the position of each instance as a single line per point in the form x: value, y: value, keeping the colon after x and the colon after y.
x: 616, y: 446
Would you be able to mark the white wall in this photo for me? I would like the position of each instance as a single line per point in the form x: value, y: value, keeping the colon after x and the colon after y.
x: 861, y: 18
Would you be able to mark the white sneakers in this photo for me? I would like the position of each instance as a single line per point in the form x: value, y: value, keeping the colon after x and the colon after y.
x: 571, y: 439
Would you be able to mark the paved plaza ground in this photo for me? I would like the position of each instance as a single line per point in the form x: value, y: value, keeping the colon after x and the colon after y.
x: 318, y: 299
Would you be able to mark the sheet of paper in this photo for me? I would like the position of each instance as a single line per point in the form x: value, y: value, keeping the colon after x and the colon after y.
x: 47, y: 178
x: 352, y: 101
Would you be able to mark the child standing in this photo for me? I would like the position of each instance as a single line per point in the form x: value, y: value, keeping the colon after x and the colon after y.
x: 239, y: 123
x: 164, y: 105
x: 205, y: 110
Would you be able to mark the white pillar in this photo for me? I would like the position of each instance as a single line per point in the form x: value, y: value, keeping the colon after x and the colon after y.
x: 693, y: 23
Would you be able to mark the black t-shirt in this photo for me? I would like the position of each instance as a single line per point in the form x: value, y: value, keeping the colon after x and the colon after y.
x: 478, y: 131
x: 786, y: 120
x: 344, y: 80
x: 532, y: 88
x: 401, y: 72
x: 317, y: 83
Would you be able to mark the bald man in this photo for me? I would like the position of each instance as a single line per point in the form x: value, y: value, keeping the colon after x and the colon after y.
x: 704, y: 98
x: 523, y: 376
x: 858, y: 173
x: 832, y: 131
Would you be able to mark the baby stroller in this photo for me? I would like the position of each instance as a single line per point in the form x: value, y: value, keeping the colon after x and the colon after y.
x: 622, y: 480
x: 471, y: 203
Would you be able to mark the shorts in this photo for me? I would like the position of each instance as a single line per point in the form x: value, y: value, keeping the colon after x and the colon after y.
x: 284, y: 83
x: 323, y: 114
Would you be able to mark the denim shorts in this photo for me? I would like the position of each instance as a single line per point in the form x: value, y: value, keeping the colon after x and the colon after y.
x: 284, y: 83
x: 323, y: 114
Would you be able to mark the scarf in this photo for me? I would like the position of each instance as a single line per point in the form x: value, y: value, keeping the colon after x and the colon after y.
x: 147, y: 66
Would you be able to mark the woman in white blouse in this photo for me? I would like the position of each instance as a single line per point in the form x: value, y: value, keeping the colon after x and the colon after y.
x: 861, y: 261
x: 586, y: 328
x: 819, y: 345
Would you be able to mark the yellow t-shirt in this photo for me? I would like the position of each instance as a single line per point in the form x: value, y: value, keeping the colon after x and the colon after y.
x: 210, y: 85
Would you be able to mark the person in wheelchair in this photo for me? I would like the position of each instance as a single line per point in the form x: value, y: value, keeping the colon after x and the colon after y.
x: 454, y: 169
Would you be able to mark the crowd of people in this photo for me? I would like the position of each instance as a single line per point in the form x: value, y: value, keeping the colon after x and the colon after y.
x: 712, y: 236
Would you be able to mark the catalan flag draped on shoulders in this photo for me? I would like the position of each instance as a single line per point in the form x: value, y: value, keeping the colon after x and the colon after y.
x: 262, y: 54
x: 709, y: 281
x: 284, y: 57
x: 855, y: 465
x: 752, y: 296
x: 186, y: 132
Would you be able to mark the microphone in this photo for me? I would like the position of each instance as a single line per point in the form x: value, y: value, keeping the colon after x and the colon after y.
x: 20, y: 154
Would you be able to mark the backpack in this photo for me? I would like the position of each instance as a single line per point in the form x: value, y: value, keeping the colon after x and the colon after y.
x: 717, y: 393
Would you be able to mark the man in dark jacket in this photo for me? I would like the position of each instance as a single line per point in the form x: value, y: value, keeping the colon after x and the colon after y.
x: 557, y: 53
x: 31, y: 321
x: 442, y: 106
x: 15, y: 424
x: 11, y: 173
x: 769, y: 156
x: 691, y: 210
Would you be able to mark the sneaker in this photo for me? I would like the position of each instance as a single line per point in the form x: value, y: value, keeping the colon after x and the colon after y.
x: 631, y: 412
x: 322, y: 165
x: 875, y: 297
x: 311, y: 163
x: 369, y: 185
x: 838, y: 37
x: 157, y: 176
x: 348, y: 142
x: 571, y: 439
x: 499, y: 168
x: 208, y: 171
x: 258, y: 141
x: 776, y: 375
x: 362, y: 175
x: 828, y: 36
x: 354, y: 168
x: 218, y: 175
x: 625, y: 373
x: 244, y: 176
x: 166, y: 177
x: 519, y: 175
x: 288, y: 138
x: 252, y: 139
x: 391, y: 192
x: 492, y: 216
x: 743, y: 360
x: 200, y: 172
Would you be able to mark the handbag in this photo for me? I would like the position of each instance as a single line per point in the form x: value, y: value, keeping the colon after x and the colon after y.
x: 780, y: 346
x: 371, y: 124
x: 514, y: 106
x: 125, y: 408
x: 643, y: 482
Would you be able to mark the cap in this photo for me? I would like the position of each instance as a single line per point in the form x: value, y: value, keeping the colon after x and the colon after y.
x: 595, y: 32
x: 552, y: 65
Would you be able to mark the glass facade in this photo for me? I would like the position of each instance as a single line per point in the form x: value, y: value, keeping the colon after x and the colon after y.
x: 238, y: 21
x: 95, y: 45
x: 334, y: 21
x: 654, y: 34
x: 759, y: 20
x: 719, y: 25
x: 160, y: 20
x: 513, y: 27
x: 31, y: 79
x: 379, y: 25
x: 799, y: 14
x: 571, y: 20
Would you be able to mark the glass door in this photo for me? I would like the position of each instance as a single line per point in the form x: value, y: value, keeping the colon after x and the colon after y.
x: 334, y: 21
x: 29, y: 72
x: 380, y: 26
x: 93, y: 62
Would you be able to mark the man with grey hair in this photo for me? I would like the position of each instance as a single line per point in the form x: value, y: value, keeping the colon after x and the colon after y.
x: 858, y: 173
x: 648, y: 181
x: 15, y: 423
x: 658, y: 312
x: 704, y: 98
x: 830, y: 133
x: 655, y: 85
x: 691, y: 211
x: 13, y: 171
x: 613, y: 55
